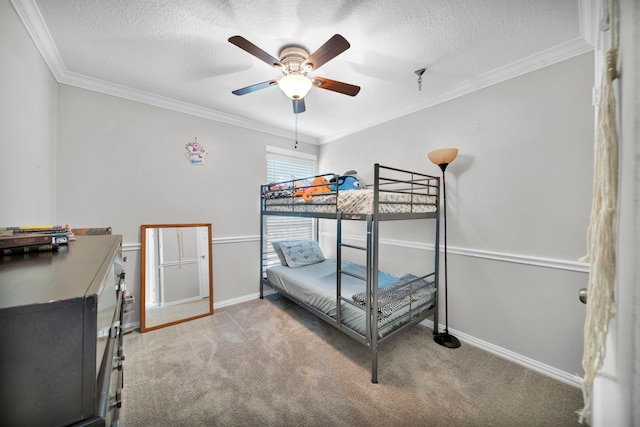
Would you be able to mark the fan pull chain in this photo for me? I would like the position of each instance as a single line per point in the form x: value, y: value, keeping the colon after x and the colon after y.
x: 296, y: 135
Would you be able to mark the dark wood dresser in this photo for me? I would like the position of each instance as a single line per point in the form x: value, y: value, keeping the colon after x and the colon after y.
x: 61, y: 324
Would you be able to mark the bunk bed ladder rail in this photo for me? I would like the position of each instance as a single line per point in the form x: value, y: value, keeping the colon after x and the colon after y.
x: 339, y: 245
x: 263, y: 189
x: 371, y: 281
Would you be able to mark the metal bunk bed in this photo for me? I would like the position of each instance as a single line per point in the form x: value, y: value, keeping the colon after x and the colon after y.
x: 395, y: 195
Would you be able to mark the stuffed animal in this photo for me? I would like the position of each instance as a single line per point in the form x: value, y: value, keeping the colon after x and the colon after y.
x: 348, y: 181
x: 318, y: 186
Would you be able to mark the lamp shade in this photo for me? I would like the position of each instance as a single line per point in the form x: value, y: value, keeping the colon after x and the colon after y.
x: 443, y: 155
x: 295, y: 86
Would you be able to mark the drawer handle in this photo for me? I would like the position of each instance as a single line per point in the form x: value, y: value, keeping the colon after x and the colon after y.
x: 117, y: 399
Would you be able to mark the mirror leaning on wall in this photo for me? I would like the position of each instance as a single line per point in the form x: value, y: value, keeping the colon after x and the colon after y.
x: 176, y: 274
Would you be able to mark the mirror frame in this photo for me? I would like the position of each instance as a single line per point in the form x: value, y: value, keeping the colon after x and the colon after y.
x: 143, y: 272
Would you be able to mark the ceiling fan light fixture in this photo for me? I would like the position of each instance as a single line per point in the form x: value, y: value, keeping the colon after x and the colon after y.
x: 295, y: 86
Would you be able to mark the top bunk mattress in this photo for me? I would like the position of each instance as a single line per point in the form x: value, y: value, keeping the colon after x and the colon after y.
x: 355, y: 202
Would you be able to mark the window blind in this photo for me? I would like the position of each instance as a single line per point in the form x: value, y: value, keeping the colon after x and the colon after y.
x: 283, y: 167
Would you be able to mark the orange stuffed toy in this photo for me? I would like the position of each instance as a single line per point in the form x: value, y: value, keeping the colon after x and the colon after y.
x: 318, y: 186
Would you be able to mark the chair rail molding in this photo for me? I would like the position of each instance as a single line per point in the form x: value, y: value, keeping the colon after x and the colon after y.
x: 559, y: 264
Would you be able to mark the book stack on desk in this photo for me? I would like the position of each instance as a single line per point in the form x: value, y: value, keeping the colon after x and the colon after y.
x: 28, y: 239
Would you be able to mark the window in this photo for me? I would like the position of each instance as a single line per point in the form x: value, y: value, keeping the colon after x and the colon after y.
x: 285, y: 165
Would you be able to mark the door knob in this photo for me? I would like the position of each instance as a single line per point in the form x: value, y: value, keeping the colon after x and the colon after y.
x: 582, y: 295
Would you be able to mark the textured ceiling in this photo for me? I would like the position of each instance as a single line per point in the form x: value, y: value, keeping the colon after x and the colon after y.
x: 176, y: 54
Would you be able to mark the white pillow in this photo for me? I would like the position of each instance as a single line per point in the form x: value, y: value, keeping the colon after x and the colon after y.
x: 300, y: 253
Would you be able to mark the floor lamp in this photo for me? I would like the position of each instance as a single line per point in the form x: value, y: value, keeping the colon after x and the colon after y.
x: 442, y: 158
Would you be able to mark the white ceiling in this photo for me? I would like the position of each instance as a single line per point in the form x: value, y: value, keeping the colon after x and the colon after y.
x: 175, y: 54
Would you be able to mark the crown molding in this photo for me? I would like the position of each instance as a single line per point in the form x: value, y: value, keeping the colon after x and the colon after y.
x: 578, y: 46
x: 113, y: 89
x: 108, y: 88
x: 32, y: 20
x: 30, y: 15
x: 526, y: 65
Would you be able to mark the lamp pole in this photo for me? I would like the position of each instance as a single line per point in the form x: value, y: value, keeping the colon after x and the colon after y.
x: 442, y: 158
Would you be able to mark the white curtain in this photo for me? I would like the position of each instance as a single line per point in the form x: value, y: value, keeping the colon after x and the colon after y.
x: 602, y: 231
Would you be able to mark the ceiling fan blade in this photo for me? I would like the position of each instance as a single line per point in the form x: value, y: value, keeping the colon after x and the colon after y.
x: 255, y: 87
x: 254, y: 50
x: 336, y: 86
x: 298, y: 106
x: 325, y: 53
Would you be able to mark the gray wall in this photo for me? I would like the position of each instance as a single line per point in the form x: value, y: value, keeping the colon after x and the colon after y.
x: 122, y: 163
x: 520, y: 190
x: 519, y: 195
x: 69, y: 155
x: 27, y: 127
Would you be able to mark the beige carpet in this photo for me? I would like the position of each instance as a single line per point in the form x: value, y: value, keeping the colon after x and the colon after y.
x: 270, y: 363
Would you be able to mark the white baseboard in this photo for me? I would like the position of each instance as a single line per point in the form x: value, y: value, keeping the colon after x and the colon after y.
x: 132, y: 326
x: 128, y: 327
x: 550, y: 371
x: 244, y: 298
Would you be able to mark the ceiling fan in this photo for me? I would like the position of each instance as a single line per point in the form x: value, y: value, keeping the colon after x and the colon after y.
x: 296, y: 63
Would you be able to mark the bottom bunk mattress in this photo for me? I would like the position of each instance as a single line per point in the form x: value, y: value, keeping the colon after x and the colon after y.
x: 315, y: 285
